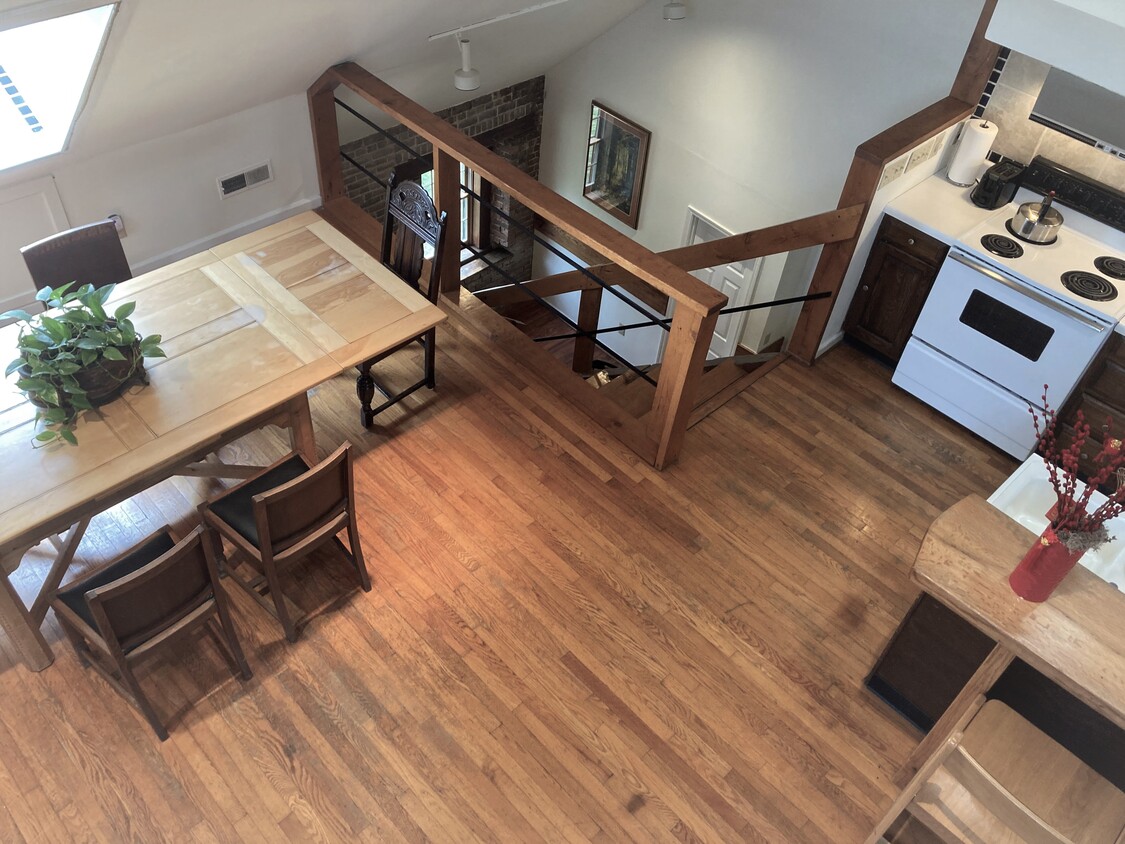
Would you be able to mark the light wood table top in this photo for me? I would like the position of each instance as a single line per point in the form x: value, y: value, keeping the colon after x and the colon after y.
x: 249, y: 326
x: 1076, y: 637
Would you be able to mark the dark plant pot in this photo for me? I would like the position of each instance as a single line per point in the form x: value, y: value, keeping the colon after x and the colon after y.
x: 105, y: 380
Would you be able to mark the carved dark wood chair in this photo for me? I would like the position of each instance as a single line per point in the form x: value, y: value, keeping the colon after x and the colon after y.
x: 280, y: 516
x: 411, y: 222
x: 153, y: 593
x: 89, y: 254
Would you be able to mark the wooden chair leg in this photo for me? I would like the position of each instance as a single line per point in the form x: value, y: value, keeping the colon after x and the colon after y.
x: 280, y: 609
x: 77, y: 642
x: 141, y: 699
x: 365, y: 392
x: 230, y: 637
x: 430, y: 354
x: 357, y: 556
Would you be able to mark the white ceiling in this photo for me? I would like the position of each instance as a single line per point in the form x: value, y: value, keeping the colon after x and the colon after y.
x: 173, y: 64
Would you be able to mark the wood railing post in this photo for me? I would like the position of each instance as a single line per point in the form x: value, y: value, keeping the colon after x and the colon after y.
x: 680, y: 371
x: 326, y: 139
x: 589, y: 309
x: 447, y: 190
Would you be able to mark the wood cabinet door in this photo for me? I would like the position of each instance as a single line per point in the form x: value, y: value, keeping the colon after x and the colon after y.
x: 892, y: 290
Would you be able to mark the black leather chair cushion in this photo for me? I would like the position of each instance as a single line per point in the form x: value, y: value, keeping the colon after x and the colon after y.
x: 237, y: 510
x: 74, y: 596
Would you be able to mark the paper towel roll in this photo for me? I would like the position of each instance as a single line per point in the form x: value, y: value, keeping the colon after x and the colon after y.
x: 975, y: 143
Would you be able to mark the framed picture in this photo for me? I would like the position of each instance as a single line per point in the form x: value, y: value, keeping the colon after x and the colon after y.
x: 615, y: 163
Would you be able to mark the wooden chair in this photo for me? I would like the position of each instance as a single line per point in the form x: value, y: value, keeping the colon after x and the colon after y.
x: 90, y: 254
x: 1003, y: 780
x: 281, y: 515
x: 155, y: 592
x: 411, y: 222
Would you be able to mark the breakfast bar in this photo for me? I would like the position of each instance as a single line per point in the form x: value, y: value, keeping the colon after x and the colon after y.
x: 1076, y: 638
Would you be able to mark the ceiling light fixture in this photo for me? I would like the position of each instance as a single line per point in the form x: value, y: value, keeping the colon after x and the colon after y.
x: 675, y: 11
x: 467, y: 77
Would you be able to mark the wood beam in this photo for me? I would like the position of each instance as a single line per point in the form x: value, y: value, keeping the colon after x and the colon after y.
x: 980, y: 58
x: 447, y: 187
x: 589, y: 309
x: 326, y: 140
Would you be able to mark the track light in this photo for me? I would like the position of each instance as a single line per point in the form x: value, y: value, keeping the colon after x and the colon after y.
x: 675, y: 11
x: 467, y: 77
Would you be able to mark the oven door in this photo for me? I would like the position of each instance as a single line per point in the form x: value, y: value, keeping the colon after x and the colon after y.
x: 1007, y: 331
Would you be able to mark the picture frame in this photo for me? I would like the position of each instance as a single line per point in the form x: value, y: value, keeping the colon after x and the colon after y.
x: 615, y: 164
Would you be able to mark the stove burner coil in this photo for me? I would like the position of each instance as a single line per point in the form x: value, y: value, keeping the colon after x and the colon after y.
x: 1001, y: 246
x: 1111, y: 266
x: 1014, y: 233
x: 1088, y: 285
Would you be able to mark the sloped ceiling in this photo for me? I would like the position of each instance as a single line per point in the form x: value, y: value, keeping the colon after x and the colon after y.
x: 173, y: 64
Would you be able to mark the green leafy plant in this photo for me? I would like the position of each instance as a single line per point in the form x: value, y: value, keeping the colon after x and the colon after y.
x: 76, y: 355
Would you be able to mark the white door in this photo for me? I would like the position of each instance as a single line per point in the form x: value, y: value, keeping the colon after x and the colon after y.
x: 737, y: 281
x: 30, y: 211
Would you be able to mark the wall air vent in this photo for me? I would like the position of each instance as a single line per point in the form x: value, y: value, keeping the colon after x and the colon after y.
x: 238, y: 182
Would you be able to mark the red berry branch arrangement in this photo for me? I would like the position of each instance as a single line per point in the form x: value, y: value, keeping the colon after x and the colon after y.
x: 1077, y: 527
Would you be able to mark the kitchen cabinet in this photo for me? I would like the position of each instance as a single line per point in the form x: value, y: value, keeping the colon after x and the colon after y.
x: 1100, y: 394
x: 896, y: 280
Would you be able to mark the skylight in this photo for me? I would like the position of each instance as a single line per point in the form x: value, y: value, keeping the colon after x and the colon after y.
x: 45, y: 70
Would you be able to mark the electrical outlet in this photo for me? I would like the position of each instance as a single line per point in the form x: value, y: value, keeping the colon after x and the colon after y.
x: 893, y: 170
x: 922, y: 153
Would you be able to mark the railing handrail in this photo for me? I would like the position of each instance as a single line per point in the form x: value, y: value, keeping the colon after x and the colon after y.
x: 688, y: 291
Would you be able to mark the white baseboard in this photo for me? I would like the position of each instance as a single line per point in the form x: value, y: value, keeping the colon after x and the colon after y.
x: 829, y: 342
x: 246, y: 227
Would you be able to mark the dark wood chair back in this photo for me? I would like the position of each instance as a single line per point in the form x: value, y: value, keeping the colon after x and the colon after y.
x: 158, y: 596
x: 412, y: 221
x: 298, y: 509
x: 90, y: 254
x: 307, y: 509
x: 155, y: 592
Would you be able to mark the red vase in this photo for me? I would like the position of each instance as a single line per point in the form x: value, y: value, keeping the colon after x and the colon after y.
x: 1043, y: 567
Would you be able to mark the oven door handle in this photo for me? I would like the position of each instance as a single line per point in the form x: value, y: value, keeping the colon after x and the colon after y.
x: 1028, y: 291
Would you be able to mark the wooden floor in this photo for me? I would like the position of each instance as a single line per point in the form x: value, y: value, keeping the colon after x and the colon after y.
x: 561, y: 643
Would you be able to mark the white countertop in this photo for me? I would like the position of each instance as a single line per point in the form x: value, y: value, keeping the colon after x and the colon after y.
x: 1027, y: 496
x: 939, y: 208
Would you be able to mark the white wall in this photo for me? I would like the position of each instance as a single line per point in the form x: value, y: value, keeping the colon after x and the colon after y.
x: 165, y: 188
x: 755, y: 107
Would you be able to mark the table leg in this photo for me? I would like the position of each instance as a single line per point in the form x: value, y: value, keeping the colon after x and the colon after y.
x: 16, y: 621
x: 301, y: 435
x: 959, y: 712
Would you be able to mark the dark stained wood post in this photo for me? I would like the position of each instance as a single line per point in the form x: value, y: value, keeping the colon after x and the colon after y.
x: 589, y: 309
x: 326, y: 137
x: 447, y: 189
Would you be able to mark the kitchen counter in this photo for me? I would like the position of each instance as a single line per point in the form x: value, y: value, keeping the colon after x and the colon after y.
x: 939, y: 208
x: 1076, y: 637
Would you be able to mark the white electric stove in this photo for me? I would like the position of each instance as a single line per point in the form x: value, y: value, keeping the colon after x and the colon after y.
x: 1006, y: 317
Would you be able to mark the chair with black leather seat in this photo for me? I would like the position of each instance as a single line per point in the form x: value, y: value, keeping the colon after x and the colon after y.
x: 280, y: 516
x: 155, y: 592
x: 90, y: 254
x: 411, y: 223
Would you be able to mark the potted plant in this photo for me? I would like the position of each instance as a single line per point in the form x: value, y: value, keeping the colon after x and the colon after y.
x: 76, y: 355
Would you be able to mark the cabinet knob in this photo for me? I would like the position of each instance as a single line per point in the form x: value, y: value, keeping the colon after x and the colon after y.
x: 865, y: 288
x: 910, y: 241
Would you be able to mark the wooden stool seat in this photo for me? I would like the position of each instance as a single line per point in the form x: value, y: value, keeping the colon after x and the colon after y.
x: 1003, y: 781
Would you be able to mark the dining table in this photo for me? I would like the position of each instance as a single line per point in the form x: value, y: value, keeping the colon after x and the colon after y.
x: 248, y: 327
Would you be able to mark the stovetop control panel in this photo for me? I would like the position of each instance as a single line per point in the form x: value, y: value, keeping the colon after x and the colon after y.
x: 1076, y: 191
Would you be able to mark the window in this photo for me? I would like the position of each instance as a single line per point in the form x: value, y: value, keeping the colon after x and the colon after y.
x: 475, y: 219
x: 45, y: 71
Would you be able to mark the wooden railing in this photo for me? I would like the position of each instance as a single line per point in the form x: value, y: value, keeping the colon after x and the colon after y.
x: 656, y: 279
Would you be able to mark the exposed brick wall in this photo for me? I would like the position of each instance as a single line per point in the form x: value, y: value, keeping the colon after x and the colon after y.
x: 492, y: 119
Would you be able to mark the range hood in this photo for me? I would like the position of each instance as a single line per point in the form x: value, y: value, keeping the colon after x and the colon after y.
x: 1082, y: 37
